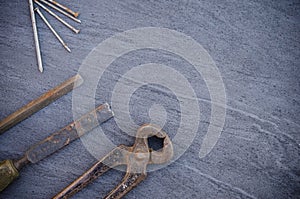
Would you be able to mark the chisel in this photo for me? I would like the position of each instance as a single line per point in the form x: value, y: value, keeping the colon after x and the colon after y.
x: 9, y: 169
x: 39, y: 103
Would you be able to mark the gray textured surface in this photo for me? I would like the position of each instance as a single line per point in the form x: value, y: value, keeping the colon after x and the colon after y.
x: 255, y: 45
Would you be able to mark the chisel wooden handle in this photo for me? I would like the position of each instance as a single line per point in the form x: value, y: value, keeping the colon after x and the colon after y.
x: 8, y: 172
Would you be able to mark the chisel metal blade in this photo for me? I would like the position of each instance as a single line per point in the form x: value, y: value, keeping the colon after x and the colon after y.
x: 39, y: 103
x: 69, y: 133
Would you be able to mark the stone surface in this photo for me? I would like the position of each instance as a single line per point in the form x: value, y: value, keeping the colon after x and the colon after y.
x: 255, y: 45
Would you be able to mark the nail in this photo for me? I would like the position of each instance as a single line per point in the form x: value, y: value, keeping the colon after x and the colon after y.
x: 36, y: 39
x: 53, y: 31
x: 57, y: 17
x: 75, y: 14
x: 59, y: 10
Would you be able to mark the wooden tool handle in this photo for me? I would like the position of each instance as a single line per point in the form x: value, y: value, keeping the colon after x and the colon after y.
x: 40, y: 103
x: 8, y: 173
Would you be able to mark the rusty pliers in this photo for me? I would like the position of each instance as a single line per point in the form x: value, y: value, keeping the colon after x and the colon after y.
x: 136, y: 158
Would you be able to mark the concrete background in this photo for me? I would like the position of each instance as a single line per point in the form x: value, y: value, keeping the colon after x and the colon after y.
x: 255, y: 45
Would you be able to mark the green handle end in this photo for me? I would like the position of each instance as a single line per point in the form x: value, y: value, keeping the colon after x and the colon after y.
x: 8, y: 173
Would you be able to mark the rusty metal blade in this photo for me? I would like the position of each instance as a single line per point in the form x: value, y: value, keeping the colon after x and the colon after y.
x: 40, y: 103
x: 69, y: 133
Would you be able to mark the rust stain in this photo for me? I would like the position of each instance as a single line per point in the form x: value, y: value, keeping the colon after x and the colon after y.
x: 136, y: 158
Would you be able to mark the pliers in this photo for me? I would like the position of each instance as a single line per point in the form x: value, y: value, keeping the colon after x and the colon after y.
x: 136, y: 158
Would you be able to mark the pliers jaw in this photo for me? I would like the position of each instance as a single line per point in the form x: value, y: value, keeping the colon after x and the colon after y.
x: 136, y: 158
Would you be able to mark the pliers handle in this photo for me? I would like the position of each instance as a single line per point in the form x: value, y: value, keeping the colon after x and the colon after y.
x: 136, y: 158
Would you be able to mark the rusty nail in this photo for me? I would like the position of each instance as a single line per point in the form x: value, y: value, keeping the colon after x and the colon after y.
x: 75, y: 14
x: 59, y: 10
x: 57, y: 17
x: 53, y: 31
